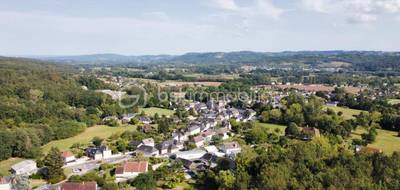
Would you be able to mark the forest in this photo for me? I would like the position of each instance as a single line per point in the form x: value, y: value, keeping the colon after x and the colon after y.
x: 41, y: 102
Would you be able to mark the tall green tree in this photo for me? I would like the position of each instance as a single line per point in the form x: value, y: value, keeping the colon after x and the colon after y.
x: 54, y: 163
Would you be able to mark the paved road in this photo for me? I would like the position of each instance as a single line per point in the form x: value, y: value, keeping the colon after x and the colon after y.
x: 94, y: 164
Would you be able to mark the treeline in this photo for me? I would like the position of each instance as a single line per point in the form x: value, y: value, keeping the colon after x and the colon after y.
x: 41, y: 102
x: 319, y: 164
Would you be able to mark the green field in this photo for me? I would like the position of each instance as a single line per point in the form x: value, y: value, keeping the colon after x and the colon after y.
x: 86, y: 137
x: 394, y: 101
x: 153, y: 110
x: 272, y: 127
x: 387, y: 141
x: 5, y: 165
x: 347, y: 112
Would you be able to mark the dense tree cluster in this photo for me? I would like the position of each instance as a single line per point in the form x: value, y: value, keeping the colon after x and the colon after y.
x: 319, y: 164
x: 41, y: 102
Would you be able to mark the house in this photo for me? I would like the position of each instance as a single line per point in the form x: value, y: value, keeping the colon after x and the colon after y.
x: 126, y: 118
x: 148, y: 142
x: 98, y: 153
x: 223, y: 133
x: 145, y: 120
x: 207, y: 135
x: 175, y: 147
x: 193, y: 129
x: 180, y: 136
x: 147, y: 151
x: 165, y: 146
x: 91, y: 185
x: 198, y: 140
x: 233, y: 112
x: 5, y: 183
x: 308, y: 133
x: 109, y: 118
x: 68, y: 156
x: 130, y: 170
x: 208, y: 123
x: 26, y: 167
x: 186, y: 163
x: 230, y: 148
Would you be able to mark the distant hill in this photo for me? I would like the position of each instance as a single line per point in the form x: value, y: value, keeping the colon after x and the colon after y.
x: 357, y: 60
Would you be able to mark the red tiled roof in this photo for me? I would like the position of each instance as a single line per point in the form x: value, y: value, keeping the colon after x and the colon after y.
x: 66, y: 154
x: 198, y: 138
x: 79, y: 186
x: 140, y: 166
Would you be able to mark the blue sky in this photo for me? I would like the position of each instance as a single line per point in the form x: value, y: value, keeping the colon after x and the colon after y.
x: 137, y: 27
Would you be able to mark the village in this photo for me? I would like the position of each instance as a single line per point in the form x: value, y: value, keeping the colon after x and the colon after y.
x: 199, y: 145
x: 211, y: 124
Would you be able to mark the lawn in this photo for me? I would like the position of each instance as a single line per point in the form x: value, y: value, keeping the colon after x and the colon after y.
x: 347, y: 112
x: 85, y: 137
x: 272, y: 127
x: 387, y: 141
x: 5, y: 165
x: 153, y: 110
x: 394, y: 101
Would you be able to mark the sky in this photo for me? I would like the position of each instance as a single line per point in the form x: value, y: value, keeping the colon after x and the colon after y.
x: 143, y: 27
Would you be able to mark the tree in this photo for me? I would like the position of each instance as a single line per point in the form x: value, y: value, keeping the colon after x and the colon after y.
x: 20, y: 182
x: 97, y: 141
x: 225, y: 180
x: 54, y: 163
x: 370, y: 137
x: 144, y: 181
x: 292, y: 130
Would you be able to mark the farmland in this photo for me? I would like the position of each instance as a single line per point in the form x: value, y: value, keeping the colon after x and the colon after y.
x: 387, y: 141
x: 85, y: 137
x: 160, y: 111
x: 347, y: 112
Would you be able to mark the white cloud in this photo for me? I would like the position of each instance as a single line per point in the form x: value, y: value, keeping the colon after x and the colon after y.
x: 254, y: 8
x: 316, y: 5
x: 226, y: 4
x: 362, y: 18
x: 355, y: 11
x: 266, y: 7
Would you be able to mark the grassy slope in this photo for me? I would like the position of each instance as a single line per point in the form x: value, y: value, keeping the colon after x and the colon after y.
x: 151, y: 111
x: 347, y: 112
x: 86, y: 137
x: 272, y: 127
x: 388, y: 141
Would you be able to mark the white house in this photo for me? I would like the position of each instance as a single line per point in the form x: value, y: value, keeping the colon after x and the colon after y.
x: 68, y: 157
x: 130, y: 170
x: 193, y: 129
x: 230, y: 148
x: 148, y: 142
x: 26, y: 167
